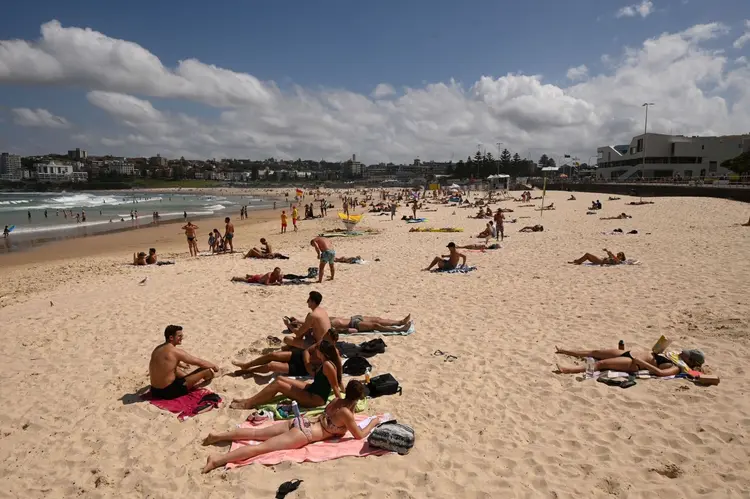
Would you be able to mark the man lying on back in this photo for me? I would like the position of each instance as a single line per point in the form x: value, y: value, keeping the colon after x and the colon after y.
x: 168, y: 381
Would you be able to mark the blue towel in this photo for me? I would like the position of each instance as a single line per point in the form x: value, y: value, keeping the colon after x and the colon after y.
x: 416, y: 220
x: 461, y: 269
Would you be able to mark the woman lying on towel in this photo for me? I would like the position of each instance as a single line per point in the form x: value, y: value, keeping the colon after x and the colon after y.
x: 267, y: 279
x: 308, y: 394
x: 336, y: 420
x: 480, y: 247
x: 294, y: 362
x: 632, y: 361
x: 348, y: 259
x: 610, y: 259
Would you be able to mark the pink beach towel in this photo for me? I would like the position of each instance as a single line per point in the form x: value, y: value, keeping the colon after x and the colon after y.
x: 185, y: 406
x: 326, y: 450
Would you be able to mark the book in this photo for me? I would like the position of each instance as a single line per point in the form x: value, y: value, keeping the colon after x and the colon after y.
x: 661, y: 344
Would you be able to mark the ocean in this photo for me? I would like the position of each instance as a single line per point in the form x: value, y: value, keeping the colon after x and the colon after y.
x: 50, y: 213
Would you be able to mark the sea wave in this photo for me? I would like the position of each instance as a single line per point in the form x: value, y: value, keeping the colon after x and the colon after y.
x: 215, y: 207
x: 15, y: 201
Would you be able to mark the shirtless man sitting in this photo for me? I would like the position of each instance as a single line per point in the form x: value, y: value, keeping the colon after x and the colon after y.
x: 191, y: 238
x: 361, y: 323
x: 267, y: 279
x: 168, y: 380
x: 449, y: 261
x: 317, y: 321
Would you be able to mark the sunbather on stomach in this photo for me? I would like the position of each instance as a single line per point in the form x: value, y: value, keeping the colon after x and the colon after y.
x: 631, y: 361
x: 336, y: 420
x: 359, y: 323
x: 308, y: 394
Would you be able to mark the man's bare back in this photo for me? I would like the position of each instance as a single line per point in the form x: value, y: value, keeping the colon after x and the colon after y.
x: 163, y: 368
x: 323, y: 244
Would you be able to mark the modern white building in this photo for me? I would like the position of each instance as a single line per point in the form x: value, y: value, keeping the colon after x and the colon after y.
x: 58, y: 172
x: 669, y: 156
x: 121, y: 167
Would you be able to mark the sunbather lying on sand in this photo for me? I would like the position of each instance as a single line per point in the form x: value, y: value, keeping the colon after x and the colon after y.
x: 336, y: 420
x: 621, y: 216
x: 308, y: 394
x: 572, y: 198
x: 348, y: 259
x: 545, y: 208
x: 611, y: 198
x: 268, y: 278
x: 359, y: 323
x: 480, y: 246
x: 610, y: 259
x: 534, y: 228
x: 632, y: 361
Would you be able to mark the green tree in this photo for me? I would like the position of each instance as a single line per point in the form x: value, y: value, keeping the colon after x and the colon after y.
x: 506, y: 159
x: 543, y: 161
x: 461, y: 170
x: 740, y: 164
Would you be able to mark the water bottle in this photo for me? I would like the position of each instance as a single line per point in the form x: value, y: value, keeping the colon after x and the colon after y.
x: 367, y: 376
x: 590, y: 367
x: 297, y: 416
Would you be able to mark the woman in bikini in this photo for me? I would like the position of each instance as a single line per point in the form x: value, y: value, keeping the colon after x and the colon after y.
x: 267, y: 279
x: 336, y: 420
x: 632, y: 361
x: 308, y: 394
x: 294, y: 362
x: 610, y: 259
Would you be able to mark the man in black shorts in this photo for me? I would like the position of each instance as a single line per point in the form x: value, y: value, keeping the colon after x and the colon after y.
x: 168, y: 380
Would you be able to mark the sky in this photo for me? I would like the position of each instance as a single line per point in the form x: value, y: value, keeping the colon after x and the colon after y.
x: 387, y: 80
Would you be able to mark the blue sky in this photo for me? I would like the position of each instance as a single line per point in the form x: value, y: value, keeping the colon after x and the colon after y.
x: 350, y: 47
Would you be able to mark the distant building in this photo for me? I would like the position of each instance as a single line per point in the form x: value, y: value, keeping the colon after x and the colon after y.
x: 121, y: 167
x: 669, y: 156
x: 158, y: 161
x: 57, y: 172
x: 77, y: 154
x: 10, y: 166
x: 353, y: 168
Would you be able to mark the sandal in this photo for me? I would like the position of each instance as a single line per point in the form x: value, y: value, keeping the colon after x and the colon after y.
x: 287, y: 488
x: 438, y: 353
x: 450, y: 358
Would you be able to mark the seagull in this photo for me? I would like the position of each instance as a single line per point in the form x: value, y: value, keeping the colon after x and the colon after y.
x: 143, y: 281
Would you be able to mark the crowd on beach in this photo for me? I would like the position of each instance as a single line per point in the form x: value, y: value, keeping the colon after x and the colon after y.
x: 311, y: 348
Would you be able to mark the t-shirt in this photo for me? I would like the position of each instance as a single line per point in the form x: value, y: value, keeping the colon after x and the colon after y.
x: 295, y: 214
x: 283, y: 218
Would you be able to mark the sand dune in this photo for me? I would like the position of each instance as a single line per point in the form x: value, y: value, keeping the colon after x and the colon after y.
x: 495, y: 423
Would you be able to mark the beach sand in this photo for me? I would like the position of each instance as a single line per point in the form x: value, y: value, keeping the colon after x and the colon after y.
x: 78, y: 330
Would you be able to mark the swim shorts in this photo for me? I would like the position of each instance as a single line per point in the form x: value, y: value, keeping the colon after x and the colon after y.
x: 297, y: 363
x: 230, y: 236
x: 354, y: 321
x: 447, y: 265
x: 328, y: 256
x: 175, y: 389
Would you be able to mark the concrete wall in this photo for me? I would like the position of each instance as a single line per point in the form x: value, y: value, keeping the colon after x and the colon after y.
x: 645, y: 190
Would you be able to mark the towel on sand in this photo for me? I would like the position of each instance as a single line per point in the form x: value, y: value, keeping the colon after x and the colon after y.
x: 461, y: 269
x: 281, y: 407
x: 325, y: 450
x: 388, y: 333
x: 436, y: 229
x: 642, y: 374
x: 416, y: 220
x: 185, y: 406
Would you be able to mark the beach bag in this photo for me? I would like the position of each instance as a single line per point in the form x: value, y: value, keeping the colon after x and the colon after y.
x: 385, y: 384
x: 373, y: 347
x: 356, y: 366
x: 392, y: 436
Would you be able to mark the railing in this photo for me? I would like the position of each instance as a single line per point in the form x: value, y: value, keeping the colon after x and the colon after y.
x: 708, y: 182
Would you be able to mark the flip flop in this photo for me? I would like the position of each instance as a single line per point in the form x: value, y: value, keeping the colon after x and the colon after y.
x: 450, y: 358
x: 287, y: 488
x: 438, y: 353
x: 272, y: 340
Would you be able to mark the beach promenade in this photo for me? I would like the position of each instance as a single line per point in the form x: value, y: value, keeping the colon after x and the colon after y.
x: 78, y: 330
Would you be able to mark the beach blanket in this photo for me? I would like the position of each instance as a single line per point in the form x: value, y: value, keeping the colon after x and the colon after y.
x: 416, y: 220
x: 642, y: 374
x: 435, y: 229
x: 341, y: 234
x: 629, y: 261
x: 281, y: 407
x: 185, y: 406
x: 461, y: 269
x: 409, y: 331
x: 326, y: 450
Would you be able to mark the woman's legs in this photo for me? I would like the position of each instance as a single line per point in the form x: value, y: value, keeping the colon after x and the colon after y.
x: 265, y: 359
x: 619, y: 364
x: 588, y: 257
x: 290, y: 439
x: 282, y: 386
x: 597, y: 354
x: 387, y: 322
x: 259, y: 434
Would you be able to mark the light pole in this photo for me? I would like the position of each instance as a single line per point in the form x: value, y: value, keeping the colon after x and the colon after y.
x: 498, y: 156
x: 645, y: 131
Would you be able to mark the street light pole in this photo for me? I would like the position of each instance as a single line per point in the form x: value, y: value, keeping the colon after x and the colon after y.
x: 645, y: 131
x: 498, y: 156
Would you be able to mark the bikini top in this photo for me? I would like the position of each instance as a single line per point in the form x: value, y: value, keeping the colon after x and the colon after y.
x: 326, y: 421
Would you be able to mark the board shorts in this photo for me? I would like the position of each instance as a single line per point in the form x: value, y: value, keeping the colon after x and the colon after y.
x: 328, y: 256
x: 175, y: 389
x: 447, y: 265
x: 297, y: 363
x: 229, y: 236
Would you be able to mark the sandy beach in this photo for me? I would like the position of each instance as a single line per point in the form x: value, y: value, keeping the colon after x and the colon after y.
x: 78, y: 330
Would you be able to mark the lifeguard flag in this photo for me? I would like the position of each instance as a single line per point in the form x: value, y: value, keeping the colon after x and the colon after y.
x: 299, y: 192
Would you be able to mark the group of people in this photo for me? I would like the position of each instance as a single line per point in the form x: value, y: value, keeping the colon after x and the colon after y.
x: 216, y: 242
x: 309, y: 351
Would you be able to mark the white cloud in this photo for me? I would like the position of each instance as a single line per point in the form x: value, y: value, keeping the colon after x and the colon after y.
x: 643, y: 9
x: 578, y: 73
x: 695, y: 87
x: 38, y: 118
x: 742, y: 40
x: 383, y: 90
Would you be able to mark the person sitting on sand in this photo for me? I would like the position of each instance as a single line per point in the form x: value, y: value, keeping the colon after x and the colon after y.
x: 267, y: 279
x: 532, y: 228
x: 480, y: 247
x: 480, y: 214
x: 218, y: 245
x: 489, y: 231
x: 362, y: 323
x: 309, y: 394
x: 348, y: 259
x: 139, y: 258
x: 336, y: 420
x: 572, y: 198
x: 290, y: 362
x: 265, y: 251
x: 168, y: 380
x: 632, y: 361
x: 151, y: 258
x: 316, y: 321
x: 610, y: 259
x: 449, y: 261
x: 621, y: 216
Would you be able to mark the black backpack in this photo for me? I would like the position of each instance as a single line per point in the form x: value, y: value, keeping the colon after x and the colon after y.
x: 356, y: 366
x: 385, y: 384
x: 372, y: 347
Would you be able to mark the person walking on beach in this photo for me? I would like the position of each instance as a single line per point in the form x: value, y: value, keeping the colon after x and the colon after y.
x: 326, y: 254
x: 229, y: 234
x: 295, y: 216
x: 29, y: 213
x: 184, y: 215
x: 499, y: 219
x: 45, y: 213
x: 191, y: 238
x: 6, y: 232
x: 283, y: 221
x: 393, y: 210
x: 168, y: 381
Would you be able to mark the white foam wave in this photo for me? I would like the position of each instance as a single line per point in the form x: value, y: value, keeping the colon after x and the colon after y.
x: 15, y: 201
x: 215, y: 207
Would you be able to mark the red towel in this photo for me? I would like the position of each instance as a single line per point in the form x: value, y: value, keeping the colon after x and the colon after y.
x: 185, y: 406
